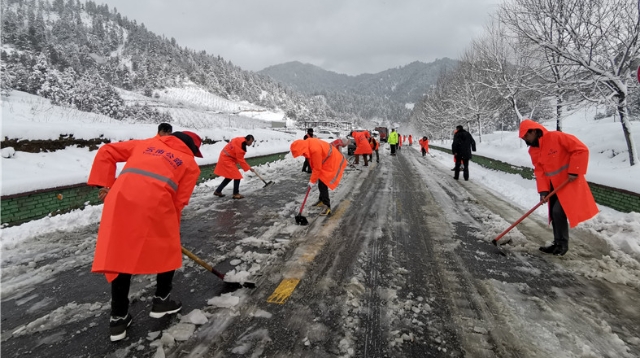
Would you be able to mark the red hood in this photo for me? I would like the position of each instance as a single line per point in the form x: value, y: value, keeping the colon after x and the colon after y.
x: 528, y: 124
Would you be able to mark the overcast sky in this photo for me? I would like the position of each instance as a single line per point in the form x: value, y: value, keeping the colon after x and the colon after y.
x: 345, y: 36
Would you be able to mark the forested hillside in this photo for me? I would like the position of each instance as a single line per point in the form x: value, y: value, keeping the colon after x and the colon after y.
x: 75, y: 53
x: 389, y: 94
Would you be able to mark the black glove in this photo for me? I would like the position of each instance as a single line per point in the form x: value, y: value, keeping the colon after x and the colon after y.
x: 543, y: 194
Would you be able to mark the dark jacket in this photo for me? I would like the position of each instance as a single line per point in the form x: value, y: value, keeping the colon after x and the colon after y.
x: 463, y: 144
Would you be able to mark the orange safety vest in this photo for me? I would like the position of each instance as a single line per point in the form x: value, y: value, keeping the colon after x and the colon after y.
x: 140, y: 226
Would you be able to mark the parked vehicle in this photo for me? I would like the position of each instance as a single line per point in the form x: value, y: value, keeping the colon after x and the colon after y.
x: 384, y: 133
x: 325, y: 134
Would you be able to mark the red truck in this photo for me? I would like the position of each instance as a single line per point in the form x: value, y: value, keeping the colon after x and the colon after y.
x: 383, y: 132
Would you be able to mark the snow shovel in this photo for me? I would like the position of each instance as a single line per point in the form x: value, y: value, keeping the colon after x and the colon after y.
x: 301, y: 220
x: 234, y: 285
x: 546, y: 198
x: 265, y: 183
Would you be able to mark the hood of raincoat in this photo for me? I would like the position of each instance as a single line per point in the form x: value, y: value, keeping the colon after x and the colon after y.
x: 528, y: 124
x: 300, y: 147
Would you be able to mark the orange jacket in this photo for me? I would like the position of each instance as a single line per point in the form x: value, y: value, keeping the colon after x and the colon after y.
x: 230, y: 157
x: 424, y: 143
x: 140, y: 227
x: 362, y: 142
x: 410, y: 139
x: 374, y: 144
x: 327, y: 163
x: 559, y: 155
x: 400, y: 141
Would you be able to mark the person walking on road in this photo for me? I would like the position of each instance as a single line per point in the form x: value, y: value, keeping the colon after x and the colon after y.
x: 424, y: 145
x: 305, y: 166
x: 393, y: 141
x: 327, y: 167
x: 410, y: 140
x: 400, y: 136
x: 139, y: 230
x: 558, y: 157
x: 362, y: 146
x: 230, y: 157
x: 463, y: 145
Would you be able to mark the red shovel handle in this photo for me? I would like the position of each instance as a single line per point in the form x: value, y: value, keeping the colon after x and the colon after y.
x: 305, y: 200
x: 546, y: 198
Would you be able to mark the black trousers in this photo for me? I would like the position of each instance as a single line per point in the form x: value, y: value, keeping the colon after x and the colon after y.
x: 324, y: 193
x: 236, y: 185
x: 456, y: 169
x: 424, y: 152
x: 306, y: 167
x: 120, y: 291
x: 393, y: 148
x: 559, y: 221
x: 377, y: 156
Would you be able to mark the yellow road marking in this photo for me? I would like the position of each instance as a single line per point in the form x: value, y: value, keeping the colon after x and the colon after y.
x: 283, y: 291
x: 308, y: 252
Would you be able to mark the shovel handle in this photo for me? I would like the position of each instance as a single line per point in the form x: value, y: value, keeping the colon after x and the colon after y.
x: 546, y: 198
x: 305, y: 200
x: 258, y: 175
x: 202, y: 263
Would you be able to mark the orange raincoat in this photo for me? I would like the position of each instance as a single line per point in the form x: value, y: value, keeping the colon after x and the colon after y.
x: 362, y: 142
x: 559, y: 155
x: 424, y: 143
x: 410, y: 139
x: 327, y: 163
x: 230, y: 157
x: 140, y: 226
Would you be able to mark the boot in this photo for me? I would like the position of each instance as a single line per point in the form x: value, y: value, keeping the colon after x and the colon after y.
x: 561, y: 249
x: 549, y: 249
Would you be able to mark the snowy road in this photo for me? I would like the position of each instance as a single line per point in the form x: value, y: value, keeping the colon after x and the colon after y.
x: 403, y: 268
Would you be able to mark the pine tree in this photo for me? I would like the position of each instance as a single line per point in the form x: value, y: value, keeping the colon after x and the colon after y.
x: 38, y: 74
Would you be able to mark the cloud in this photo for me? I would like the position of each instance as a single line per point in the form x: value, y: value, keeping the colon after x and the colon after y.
x: 345, y: 36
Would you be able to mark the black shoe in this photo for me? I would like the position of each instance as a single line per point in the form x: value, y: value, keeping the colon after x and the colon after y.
x: 549, y: 249
x: 454, y: 178
x: 164, y: 306
x: 453, y: 169
x: 560, y: 250
x: 118, y: 327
